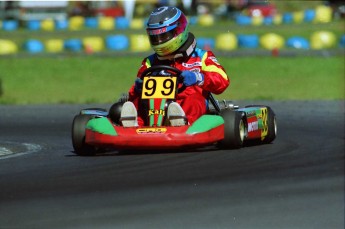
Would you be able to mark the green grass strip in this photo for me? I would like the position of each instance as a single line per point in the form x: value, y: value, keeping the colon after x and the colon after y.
x: 94, y: 79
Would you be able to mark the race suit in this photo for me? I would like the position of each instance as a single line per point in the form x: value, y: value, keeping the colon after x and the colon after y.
x: 193, y: 99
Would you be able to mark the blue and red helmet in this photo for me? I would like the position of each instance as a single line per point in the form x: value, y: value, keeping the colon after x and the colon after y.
x: 167, y: 28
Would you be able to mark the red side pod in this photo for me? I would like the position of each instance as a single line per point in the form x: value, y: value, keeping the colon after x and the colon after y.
x: 254, y: 132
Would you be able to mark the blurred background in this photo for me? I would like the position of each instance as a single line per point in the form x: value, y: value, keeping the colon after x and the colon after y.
x: 90, y: 51
x: 32, y: 27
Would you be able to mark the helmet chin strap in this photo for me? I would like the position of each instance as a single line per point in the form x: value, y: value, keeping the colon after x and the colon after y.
x: 184, y: 51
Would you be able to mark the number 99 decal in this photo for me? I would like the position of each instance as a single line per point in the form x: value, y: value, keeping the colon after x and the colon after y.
x: 161, y: 87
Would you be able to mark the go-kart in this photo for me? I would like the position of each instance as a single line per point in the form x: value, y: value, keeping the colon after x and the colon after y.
x: 224, y: 125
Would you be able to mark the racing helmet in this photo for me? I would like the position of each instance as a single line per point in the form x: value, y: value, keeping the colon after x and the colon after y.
x: 167, y: 29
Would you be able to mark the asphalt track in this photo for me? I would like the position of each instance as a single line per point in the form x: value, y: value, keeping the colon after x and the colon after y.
x: 296, y: 182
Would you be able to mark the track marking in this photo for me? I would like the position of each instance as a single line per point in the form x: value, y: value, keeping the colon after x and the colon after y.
x: 4, y: 151
x: 15, y: 149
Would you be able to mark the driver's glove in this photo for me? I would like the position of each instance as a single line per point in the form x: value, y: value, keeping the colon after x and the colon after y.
x: 138, y: 85
x: 191, y: 78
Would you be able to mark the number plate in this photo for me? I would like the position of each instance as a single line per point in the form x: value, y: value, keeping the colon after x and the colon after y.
x: 159, y: 87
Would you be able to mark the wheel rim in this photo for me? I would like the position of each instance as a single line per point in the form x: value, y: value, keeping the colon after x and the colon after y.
x: 275, y: 126
x: 242, y: 130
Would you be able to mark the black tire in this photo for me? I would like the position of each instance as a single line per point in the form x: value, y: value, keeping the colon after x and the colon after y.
x: 78, y: 136
x: 115, y: 112
x: 234, y: 129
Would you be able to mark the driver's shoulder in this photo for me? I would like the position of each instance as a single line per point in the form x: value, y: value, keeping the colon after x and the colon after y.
x: 151, y: 58
x: 199, y: 52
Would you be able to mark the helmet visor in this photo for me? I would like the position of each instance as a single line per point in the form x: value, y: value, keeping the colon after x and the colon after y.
x: 161, y: 35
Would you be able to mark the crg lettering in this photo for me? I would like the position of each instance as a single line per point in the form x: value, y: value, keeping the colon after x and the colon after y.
x: 151, y: 130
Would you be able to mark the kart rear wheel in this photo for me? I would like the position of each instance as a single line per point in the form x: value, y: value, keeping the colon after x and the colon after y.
x: 78, y: 136
x: 234, y: 129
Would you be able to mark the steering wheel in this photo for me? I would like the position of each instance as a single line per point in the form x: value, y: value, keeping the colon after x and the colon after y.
x: 172, y: 70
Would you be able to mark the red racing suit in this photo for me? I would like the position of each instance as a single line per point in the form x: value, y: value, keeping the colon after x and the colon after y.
x: 193, y: 99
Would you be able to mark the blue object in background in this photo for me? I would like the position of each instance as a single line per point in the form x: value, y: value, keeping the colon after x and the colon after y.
x: 268, y: 20
x: 61, y: 24
x: 10, y: 25
x: 33, y: 46
x: 205, y: 43
x: 74, y: 45
x: 193, y: 20
x: 248, y: 41
x: 33, y: 25
x: 287, y: 18
x: 117, y: 42
x: 309, y: 15
x: 298, y: 43
x: 342, y: 41
x: 91, y: 22
x: 121, y: 23
x: 243, y: 19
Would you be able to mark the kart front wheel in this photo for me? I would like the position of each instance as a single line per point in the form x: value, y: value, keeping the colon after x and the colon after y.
x: 78, y: 136
x: 234, y: 129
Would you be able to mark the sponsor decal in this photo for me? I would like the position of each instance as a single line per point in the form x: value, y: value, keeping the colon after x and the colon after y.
x: 151, y: 130
x: 164, y: 73
x: 253, y: 126
x: 156, y: 112
x: 264, y: 117
x: 196, y: 64
x: 214, y: 59
x: 251, y: 113
x: 157, y: 31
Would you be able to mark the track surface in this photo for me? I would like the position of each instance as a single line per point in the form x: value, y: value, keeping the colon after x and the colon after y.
x: 296, y: 182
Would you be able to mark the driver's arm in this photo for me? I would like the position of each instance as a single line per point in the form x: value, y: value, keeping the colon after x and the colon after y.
x: 215, y: 78
x: 133, y: 94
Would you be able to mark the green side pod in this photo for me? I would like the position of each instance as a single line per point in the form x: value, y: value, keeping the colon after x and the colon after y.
x: 205, y: 123
x: 101, y: 125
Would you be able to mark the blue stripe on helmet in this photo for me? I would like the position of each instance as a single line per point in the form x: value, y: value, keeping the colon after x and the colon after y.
x: 171, y: 20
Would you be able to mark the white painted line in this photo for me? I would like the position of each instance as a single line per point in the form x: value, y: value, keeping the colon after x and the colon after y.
x: 25, y: 148
x: 4, y: 151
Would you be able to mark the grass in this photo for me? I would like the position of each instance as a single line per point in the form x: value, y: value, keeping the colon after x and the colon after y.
x: 94, y: 79
x: 302, y: 78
